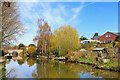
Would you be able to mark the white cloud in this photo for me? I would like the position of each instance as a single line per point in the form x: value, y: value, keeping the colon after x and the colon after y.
x: 32, y: 11
x: 78, y: 10
x: 54, y: 16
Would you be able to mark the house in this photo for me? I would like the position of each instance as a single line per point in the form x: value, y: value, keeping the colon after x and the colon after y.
x: 89, y: 41
x: 108, y: 37
x: 96, y: 37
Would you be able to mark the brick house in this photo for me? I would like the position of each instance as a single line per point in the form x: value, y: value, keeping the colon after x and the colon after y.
x: 108, y: 37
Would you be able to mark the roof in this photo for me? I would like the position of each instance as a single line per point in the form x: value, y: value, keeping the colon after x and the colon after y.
x: 98, y: 48
x: 117, y: 33
x: 82, y: 50
x: 96, y: 36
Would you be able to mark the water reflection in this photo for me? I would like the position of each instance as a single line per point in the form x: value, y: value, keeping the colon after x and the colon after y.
x: 31, y: 61
x: 43, y: 68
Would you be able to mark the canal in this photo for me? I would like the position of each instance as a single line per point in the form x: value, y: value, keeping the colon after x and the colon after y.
x: 44, y: 68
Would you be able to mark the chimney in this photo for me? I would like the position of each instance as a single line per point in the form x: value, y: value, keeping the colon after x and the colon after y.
x: 96, y: 34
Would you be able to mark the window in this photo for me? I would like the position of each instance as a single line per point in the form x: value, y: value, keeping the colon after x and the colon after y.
x: 108, y: 35
x: 108, y: 41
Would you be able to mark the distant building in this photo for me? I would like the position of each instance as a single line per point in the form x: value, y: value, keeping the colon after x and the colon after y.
x: 89, y: 41
x: 96, y: 37
x: 108, y: 37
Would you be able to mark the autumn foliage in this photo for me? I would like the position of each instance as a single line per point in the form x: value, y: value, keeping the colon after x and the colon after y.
x: 42, y: 37
x: 31, y: 50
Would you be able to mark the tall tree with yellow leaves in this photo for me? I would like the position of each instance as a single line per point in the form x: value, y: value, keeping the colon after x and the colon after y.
x: 67, y: 39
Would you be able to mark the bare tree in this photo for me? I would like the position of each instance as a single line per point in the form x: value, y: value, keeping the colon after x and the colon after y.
x: 42, y: 37
x: 11, y: 24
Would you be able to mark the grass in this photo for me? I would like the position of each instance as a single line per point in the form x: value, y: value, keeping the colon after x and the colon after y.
x: 111, y: 64
x: 88, y: 60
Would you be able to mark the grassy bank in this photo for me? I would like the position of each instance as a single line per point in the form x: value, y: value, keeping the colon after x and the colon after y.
x: 3, y: 76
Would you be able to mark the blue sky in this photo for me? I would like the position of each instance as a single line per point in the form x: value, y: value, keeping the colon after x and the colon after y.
x: 87, y: 17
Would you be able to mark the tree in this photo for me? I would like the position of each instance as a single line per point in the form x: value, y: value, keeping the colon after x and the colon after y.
x: 53, y: 44
x: 15, y: 47
x: 117, y: 38
x: 31, y: 50
x: 11, y: 25
x: 68, y: 39
x: 42, y: 37
x: 116, y: 43
x: 20, y: 46
x: 83, y: 38
x: 33, y: 45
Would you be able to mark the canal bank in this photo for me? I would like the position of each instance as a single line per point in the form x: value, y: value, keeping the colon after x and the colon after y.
x: 92, y: 64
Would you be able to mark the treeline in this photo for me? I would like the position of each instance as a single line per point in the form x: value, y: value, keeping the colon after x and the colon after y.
x: 62, y: 41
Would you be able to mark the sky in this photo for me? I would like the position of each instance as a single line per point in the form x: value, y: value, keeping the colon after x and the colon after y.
x: 87, y: 17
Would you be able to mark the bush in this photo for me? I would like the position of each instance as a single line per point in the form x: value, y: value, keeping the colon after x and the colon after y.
x: 31, y: 50
x: 75, y: 58
x: 106, y: 58
x: 21, y: 54
x: 20, y: 46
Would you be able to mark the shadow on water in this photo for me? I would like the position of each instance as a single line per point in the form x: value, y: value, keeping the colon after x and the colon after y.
x: 44, y: 68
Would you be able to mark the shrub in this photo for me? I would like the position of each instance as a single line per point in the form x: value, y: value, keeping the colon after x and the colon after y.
x: 31, y: 50
x: 21, y: 54
x: 33, y: 45
x: 106, y: 58
x: 20, y: 46
x: 92, y: 47
x: 75, y: 58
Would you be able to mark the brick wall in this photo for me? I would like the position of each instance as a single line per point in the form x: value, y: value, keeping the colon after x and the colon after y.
x: 112, y: 37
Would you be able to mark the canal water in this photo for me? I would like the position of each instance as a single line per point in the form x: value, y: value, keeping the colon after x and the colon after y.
x: 44, y: 68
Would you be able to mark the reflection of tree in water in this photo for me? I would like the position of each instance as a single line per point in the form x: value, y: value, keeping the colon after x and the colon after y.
x: 9, y: 73
x: 89, y: 69
x: 8, y: 61
x: 52, y: 69
x: 14, y: 60
x: 31, y: 61
x: 20, y: 62
x: 41, y: 70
